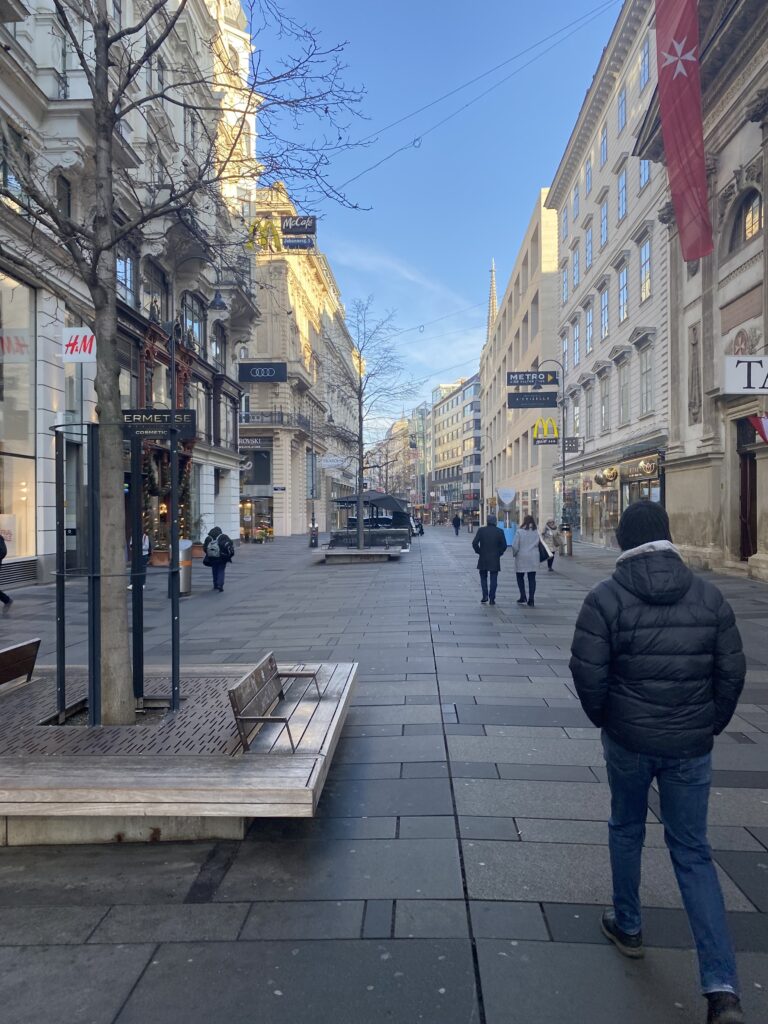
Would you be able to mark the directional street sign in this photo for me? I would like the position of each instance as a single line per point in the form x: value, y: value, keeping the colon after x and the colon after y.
x: 572, y: 445
x: 532, y: 400
x: 532, y: 378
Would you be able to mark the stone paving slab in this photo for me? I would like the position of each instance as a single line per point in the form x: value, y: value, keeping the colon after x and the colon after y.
x: 364, y: 798
x: 49, y: 925
x: 434, y: 979
x: 195, y: 922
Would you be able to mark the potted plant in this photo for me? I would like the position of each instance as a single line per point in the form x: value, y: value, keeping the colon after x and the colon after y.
x: 199, y: 530
x: 161, y: 555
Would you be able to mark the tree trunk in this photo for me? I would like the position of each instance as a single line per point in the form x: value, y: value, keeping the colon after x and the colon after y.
x: 117, y: 702
x: 360, y: 474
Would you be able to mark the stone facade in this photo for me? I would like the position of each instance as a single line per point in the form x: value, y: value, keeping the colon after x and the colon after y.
x: 717, y: 466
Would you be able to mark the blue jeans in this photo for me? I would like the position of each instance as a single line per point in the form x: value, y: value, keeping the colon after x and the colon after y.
x: 484, y: 584
x: 684, y: 796
x: 218, y: 569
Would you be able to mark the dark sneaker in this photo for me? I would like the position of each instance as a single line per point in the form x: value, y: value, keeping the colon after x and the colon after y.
x: 629, y: 945
x: 522, y: 600
x: 724, y: 1008
x: 492, y: 601
x: 7, y: 606
x: 531, y: 604
x: 484, y: 601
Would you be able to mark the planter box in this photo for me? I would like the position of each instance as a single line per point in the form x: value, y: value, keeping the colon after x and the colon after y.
x: 197, y: 549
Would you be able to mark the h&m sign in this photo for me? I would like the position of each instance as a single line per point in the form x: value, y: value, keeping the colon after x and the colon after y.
x: 746, y: 375
x: 78, y: 345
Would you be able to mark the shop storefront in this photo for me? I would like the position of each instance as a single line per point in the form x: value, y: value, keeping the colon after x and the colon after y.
x: 641, y: 480
x: 256, y: 502
x: 600, y: 501
x: 17, y: 428
x: 568, y: 511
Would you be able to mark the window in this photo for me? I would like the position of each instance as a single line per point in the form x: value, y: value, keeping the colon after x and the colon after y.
x: 645, y: 270
x: 565, y: 283
x: 576, y: 268
x: 8, y: 165
x: 604, y: 145
x: 605, y: 405
x: 564, y: 340
x: 589, y: 315
x: 589, y: 401
x: 646, y: 381
x: 564, y: 224
x: 126, y: 259
x: 64, y: 195
x: 603, y: 314
x: 645, y: 63
x: 576, y: 417
x: 645, y: 173
x: 588, y: 176
x: 588, y: 248
x: 160, y: 66
x: 576, y: 342
x: 157, y: 294
x: 622, y: 109
x: 623, y: 294
x: 218, y: 346
x: 749, y: 220
x: 604, y: 223
x: 623, y: 380
x: 117, y: 12
x: 622, y: 194
x: 575, y: 202
x: 193, y: 322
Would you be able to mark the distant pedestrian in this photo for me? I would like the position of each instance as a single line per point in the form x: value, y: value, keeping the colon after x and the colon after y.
x: 146, y: 551
x: 525, y: 548
x: 554, y: 541
x: 219, y: 550
x: 658, y: 664
x: 6, y: 601
x: 456, y: 524
x: 490, y: 544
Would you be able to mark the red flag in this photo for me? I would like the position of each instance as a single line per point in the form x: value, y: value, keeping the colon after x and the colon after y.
x: 760, y: 423
x: 677, y: 51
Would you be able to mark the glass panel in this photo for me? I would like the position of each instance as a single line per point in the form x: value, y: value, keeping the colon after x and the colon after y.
x: 17, y: 505
x: 17, y: 367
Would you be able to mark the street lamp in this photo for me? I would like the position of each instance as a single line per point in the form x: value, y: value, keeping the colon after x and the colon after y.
x: 556, y: 362
x: 487, y: 434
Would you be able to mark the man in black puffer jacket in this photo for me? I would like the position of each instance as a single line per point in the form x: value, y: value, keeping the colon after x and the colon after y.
x: 658, y: 665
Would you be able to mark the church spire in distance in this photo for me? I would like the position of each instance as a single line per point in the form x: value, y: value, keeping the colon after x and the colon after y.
x: 493, y: 306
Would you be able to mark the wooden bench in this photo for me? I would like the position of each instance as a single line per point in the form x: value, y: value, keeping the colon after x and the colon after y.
x: 18, y: 661
x: 255, y: 695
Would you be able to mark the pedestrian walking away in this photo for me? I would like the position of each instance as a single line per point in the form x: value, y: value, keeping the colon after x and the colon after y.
x: 525, y: 548
x: 146, y: 551
x: 4, y: 598
x: 658, y: 664
x: 219, y: 551
x: 456, y: 524
x: 490, y: 544
x: 554, y: 541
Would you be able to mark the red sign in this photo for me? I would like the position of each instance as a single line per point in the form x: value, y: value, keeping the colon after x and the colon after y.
x: 677, y: 49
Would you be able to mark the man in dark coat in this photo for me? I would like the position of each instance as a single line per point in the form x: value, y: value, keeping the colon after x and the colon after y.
x: 219, y: 551
x: 490, y: 544
x: 658, y: 665
x: 456, y: 522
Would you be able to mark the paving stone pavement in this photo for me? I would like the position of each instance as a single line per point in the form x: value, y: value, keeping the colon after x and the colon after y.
x: 458, y: 863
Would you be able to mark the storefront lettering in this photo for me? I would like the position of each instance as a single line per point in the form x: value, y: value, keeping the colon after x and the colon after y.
x: 748, y: 375
x: 13, y: 345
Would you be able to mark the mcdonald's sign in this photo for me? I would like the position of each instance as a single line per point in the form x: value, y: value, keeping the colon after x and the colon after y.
x: 545, y: 431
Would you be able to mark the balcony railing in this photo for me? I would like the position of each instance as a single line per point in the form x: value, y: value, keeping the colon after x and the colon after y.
x: 275, y: 419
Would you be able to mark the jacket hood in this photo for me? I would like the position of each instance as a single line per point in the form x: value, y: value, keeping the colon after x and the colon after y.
x: 654, y: 572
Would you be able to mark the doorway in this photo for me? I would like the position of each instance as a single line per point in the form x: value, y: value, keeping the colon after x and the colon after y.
x: 747, y: 504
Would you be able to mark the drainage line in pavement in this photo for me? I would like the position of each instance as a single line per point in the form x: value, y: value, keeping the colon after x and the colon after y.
x: 464, y: 886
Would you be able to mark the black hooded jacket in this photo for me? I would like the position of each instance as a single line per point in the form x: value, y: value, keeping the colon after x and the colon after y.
x: 657, y: 658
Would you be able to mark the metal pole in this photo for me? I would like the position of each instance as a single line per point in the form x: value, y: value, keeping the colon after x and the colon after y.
x: 94, y: 580
x: 562, y: 399
x: 61, y: 565
x: 138, y: 572
x: 174, y: 565
x: 312, y: 456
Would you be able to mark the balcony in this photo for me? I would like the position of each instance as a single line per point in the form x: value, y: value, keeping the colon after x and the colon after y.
x: 293, y: 421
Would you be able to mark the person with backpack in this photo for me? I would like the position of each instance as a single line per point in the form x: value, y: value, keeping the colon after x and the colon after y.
x: 219, y: 550
x: 659, y: 666
x: 7, y: 601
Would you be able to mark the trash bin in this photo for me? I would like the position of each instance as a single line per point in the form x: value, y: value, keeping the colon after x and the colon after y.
x: 314, y: 536
x: 565, y: 529
x: 185, y: 567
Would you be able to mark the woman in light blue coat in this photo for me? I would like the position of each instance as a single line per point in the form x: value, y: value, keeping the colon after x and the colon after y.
x: 525, y: 548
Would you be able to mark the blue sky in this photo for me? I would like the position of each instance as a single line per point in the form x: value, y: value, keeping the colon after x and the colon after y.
x: 438, y: 213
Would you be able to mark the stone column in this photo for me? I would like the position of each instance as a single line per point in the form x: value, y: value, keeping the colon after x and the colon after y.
x: 676, y: 384
x: 757, y: 110
x: 758, y: 563
x: 711, y: 440
x: 281, y: 471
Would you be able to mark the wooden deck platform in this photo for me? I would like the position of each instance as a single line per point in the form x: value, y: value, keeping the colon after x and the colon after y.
x: 187, y: 766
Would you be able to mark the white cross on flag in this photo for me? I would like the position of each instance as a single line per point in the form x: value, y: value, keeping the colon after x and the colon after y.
x: 677, y: 49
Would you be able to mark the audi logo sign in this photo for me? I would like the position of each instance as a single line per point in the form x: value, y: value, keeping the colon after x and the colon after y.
x: 262, y: 373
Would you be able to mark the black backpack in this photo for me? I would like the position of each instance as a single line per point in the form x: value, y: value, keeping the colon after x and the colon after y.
x: 226, y: 547
x: 3, y: 547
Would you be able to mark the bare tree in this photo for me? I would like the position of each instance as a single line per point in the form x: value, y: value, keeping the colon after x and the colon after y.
x: 375, y: 383
x: 187, y: 78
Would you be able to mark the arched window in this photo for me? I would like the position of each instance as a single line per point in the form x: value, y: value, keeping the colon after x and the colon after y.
x: 749, y: 220
x: 193, y: 321
x: 157, y: 293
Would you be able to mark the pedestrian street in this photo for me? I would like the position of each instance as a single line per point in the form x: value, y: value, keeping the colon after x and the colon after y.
x: 458, y: 864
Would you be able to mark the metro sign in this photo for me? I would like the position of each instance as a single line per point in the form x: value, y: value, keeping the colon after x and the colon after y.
x: 78, y: 345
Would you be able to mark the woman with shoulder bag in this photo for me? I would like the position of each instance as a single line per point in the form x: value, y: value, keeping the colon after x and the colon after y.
x: 527, y: 548
x: 554, y: 541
